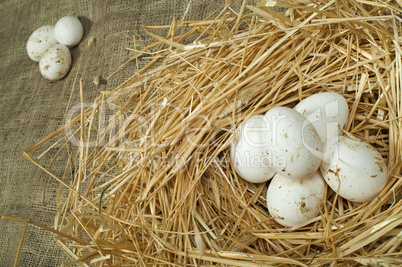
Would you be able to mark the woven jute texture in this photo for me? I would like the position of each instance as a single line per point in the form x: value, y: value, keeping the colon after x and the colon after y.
x: 26, y: 98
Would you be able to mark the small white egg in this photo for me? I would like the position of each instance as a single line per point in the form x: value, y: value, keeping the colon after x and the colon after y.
x: 294, y: 202
x: 355, y: 168
x: 39, y: 41
x: 69, y: 31
x: 294, y: 145
x: 55, y: 62
x: 248, y: 152
x: 327, y: 111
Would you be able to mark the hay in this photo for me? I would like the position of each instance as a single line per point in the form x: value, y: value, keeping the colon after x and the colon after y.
x: 156, y: 186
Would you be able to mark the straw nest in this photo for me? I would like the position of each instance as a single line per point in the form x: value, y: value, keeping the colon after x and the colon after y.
x: 153, y: 183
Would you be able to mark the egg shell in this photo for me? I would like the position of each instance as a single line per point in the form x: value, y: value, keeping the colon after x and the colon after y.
x: 294, y: 202
x: 355, y: 167
x: 248, y: 152
x: 294, y: 145
x: 69, y: 31
x: 39, y: 41
x: 327, y: 111
x: 55, y: 62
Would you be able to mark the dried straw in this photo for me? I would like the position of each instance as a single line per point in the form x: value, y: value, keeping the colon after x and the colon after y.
x: 156, y: 186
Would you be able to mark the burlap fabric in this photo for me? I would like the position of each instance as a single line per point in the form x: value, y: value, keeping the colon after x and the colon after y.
x: 26, y: 96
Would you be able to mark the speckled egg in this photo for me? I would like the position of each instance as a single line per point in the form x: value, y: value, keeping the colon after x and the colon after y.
x: 355, y: 168
x: 39, y: 41
x: 294, y: 202
x: 55, y: 62
x: 294, y: 146
x: 327, y: 111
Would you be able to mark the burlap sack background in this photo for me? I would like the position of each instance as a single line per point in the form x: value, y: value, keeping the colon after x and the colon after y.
x: 26, y: 96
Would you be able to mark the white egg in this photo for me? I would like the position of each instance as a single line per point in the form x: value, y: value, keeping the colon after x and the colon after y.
x: 355, y: 168
x: 55, y: 62
x: 294, y: 146
x: 68, y: 31
x: 248, y: 152
x: 39, y: 41
x: 294, y: 202
x: 327, y: 111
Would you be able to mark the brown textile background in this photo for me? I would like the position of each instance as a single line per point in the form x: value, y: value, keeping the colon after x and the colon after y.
x: 26, y: 96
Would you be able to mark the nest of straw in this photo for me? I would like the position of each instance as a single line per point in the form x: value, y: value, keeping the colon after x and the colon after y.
x: 153, y: 182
